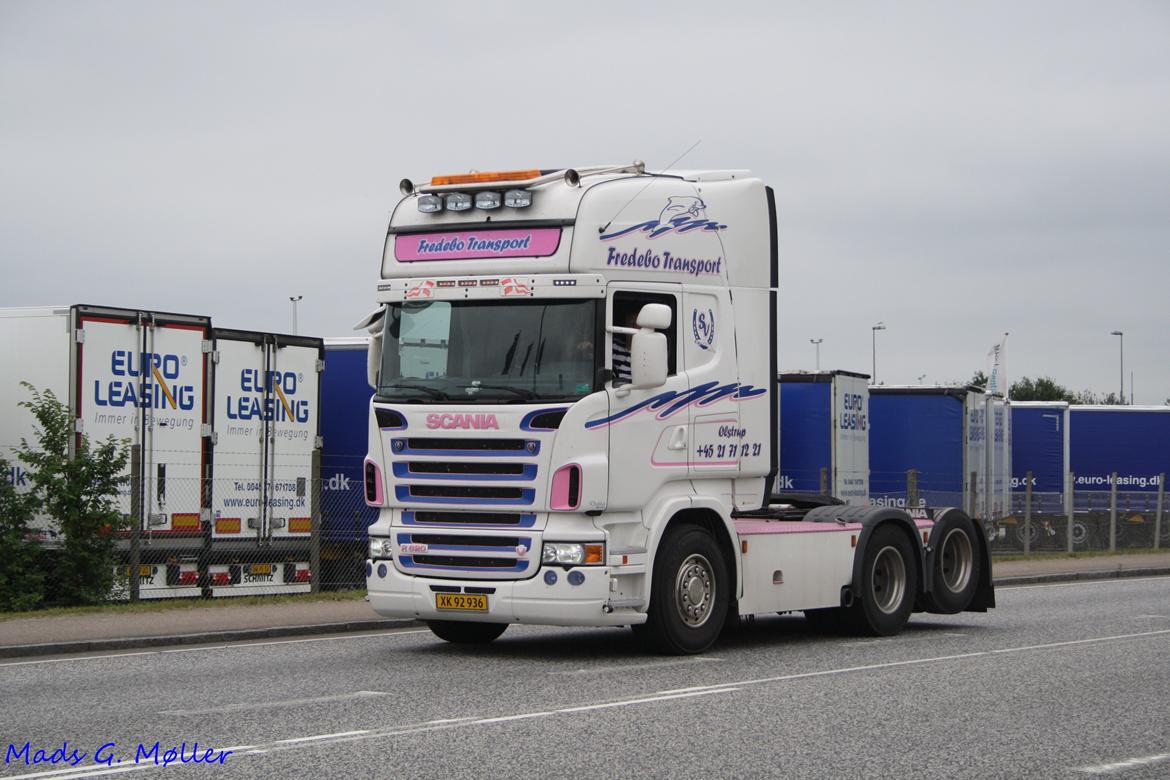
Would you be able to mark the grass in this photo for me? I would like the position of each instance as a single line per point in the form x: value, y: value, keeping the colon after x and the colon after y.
x: 169, y: 605
x: 1048, y: 555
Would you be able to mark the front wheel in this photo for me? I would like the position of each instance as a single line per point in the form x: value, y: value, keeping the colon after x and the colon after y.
x: 689, y: 593
x: 461, y: 633
x: 889, y: 584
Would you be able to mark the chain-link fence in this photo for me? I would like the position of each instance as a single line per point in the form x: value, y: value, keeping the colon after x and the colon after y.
x: 1097, y: 518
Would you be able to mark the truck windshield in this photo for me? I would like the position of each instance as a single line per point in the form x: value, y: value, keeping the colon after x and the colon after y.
x: 489, y: 351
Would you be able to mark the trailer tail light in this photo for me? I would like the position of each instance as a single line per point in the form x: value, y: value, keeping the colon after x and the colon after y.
x: 374, y: 495
x: 486, y: 177
x: 188, y: 578
x: 221, y: 578
x: 566, y: 488
x: 302, y: 575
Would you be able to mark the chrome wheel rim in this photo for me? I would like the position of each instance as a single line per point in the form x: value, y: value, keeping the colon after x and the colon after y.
x: 694, y: 590
x: 956, y: 561
x: 889, y: 580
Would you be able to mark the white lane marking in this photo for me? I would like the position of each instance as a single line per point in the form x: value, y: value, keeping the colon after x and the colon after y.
x: 1151, y: 617
x: 661, y: 696
x: 1083, y: 583
x: 206, y: 648
x: 900, y: 641
x: 263, y: 705
x: 319, y: 737
x: 647, y: 700
x: 1129, y: 763
x: 702, y: 659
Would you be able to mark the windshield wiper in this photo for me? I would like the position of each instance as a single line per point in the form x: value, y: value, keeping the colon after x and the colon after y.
x: 527, y: 395
x: 432, y: 392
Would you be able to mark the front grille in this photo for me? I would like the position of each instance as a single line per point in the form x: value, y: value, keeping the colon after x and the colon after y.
x: 467, y: 562
x: 443, y: 467
x: 518, y: 519
x: 466, y: 541
x: 468, y: 491
x: 426, y: 443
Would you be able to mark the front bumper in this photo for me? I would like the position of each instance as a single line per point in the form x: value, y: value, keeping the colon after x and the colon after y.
x: 534, y: 601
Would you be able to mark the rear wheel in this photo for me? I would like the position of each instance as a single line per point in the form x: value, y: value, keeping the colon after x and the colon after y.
x: 955, y: 567
x: 689, y: 593
x: 889, y: 584
x: 462, y: 633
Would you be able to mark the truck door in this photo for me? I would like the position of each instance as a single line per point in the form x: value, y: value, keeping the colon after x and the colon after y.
x: 266, y: 401
x: 648, y: 428
x: 706, y: 330
x: 142, y: 379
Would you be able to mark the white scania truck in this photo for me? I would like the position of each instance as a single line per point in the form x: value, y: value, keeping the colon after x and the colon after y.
x: 575, y: 422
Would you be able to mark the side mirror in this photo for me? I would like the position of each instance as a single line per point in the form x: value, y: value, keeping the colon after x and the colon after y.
x: 373, y: 359
x: 648, y: 355
x: 655, y: 316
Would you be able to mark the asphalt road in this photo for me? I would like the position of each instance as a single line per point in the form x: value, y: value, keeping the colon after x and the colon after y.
x: 1065, y: 680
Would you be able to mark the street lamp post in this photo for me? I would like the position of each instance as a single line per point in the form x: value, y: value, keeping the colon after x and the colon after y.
x: 875, y: 329
x: 295, y: 299
x: 817, y: 343
x: 1121, y: 369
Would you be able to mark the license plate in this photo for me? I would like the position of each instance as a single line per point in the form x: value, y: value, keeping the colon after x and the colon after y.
x: 467, y: 602
x: 145, y: 571
x: 261, y: 568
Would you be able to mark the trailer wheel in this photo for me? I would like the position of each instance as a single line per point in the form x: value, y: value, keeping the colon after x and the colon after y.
x: 689, y: 593
x: 462, y: 633
x: 888, y: 586
x: 956, y: 566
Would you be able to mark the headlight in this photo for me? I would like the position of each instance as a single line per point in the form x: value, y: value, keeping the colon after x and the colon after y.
x: 380, y: 548
x: 487, y: 200
x: 517, y: 199
x: 429, y: 204
x: 573, y: 553
x: 458, y: 201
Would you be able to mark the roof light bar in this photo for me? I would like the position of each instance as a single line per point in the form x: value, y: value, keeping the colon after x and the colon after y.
x: 481, y: 178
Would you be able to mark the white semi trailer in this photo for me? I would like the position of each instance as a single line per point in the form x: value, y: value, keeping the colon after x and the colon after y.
x: 575, y: 422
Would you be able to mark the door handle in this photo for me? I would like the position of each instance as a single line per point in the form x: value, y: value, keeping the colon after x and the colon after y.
x: 678, y: 438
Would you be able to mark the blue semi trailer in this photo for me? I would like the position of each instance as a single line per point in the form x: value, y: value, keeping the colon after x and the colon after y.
x: 940, y: 434
x: 345, y: 408
x: 1132, y: 442
x: 824, y: 434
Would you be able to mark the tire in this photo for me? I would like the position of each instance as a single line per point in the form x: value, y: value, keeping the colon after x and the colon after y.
x: 462, y: 633
x: 955, y: 566
x: 689, y: 593
x: 888, y: 586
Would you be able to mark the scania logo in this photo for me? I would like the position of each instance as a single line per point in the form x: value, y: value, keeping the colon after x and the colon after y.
x: 451, y: 421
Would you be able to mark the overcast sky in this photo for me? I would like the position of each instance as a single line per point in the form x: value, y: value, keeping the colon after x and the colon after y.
x: 954, y: 170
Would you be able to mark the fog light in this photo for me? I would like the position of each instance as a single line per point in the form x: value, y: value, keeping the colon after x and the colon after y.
x: 576, y: 577
x: 458, y: 201
x: 487, y: 200
x: 550, y: 577
x: 517, y: 199
x: 429, y: 204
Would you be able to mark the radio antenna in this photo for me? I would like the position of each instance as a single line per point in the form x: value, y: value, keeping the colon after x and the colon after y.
x: 638, y: 194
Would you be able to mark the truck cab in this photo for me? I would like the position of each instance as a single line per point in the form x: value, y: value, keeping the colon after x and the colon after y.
x: 575, y: 398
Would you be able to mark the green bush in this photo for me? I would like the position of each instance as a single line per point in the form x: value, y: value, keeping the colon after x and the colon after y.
x: 21, y: 577
x: 77, y: 490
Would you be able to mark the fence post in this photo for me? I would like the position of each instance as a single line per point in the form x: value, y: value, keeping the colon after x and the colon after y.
x: 824, y: 481
x: 315, y: 523
x: 1113, y: 512
x: 1158, y: 513
x: 912, y: 488
x: 1068, y: 506
x: 136, y: 518
x: 1028, y: 513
